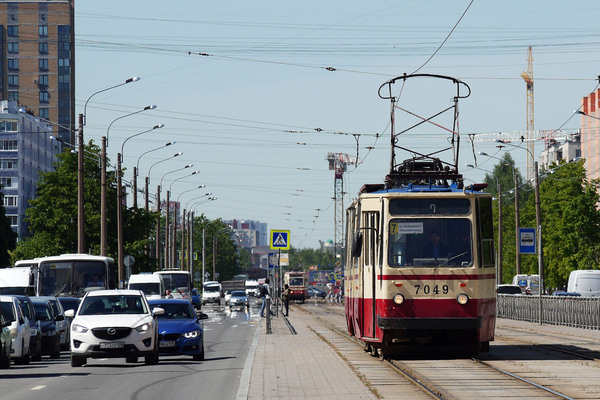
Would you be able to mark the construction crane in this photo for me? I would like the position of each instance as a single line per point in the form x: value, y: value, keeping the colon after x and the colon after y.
x: 338, y: 162
x: 528, y: 76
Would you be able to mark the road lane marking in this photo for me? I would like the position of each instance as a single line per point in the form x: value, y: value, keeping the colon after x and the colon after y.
x: 38, y: 387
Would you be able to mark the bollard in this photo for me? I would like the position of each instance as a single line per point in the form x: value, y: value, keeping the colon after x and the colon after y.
x: 268, y: 311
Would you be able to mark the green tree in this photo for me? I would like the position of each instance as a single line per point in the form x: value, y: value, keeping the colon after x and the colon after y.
x: 7, y: 237
x: 227, y: 259
x: 305, y: 258
x: 570, y: 223
x: 52, y: 215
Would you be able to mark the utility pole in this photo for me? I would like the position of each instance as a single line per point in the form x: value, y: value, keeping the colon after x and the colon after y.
x: 517, y: 224
x: 158, y: 228
x: 103, y: 203
x: 80, y: 191
x: 499, y: 274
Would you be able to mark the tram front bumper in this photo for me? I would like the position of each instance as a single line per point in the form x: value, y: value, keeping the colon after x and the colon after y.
x: 429, y: 323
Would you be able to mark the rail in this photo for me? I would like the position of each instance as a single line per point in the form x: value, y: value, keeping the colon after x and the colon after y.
x: 577, y: 312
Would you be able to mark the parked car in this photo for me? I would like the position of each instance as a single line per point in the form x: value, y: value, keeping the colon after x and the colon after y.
x: 61, y: 323
x: 316, y: 292
x: 238, y: 298
x: 69, y: 303
x: 19, y: 329
x: 509, y: 289
x: 5, y: 343
x: 180, y: 330
x: 196, y: 299
x: 114, y: 324
x: 563, y: 293
x: 35, y: 342
x: 48, y: 324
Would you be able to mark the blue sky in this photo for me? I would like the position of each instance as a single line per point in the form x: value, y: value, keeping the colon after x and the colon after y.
x: 247, y: 115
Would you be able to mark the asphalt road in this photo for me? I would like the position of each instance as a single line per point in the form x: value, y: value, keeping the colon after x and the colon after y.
x: 228, y: 337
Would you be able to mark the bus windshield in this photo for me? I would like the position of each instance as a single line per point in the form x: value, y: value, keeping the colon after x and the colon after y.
x: 430, y: 242
x: 176, y: 280
x: 72, y: 277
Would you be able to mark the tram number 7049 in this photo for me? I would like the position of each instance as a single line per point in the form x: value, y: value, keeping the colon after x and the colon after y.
x: 427, y: 289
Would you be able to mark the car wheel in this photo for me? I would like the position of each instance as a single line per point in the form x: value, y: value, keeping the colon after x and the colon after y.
x: 131, y: 359
x: 4, y: 360
x: 77, y: 361
x: 200, y: 356
x: 151, y: 359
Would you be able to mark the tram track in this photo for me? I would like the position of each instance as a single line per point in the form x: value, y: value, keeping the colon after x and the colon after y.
x: 416, y: 371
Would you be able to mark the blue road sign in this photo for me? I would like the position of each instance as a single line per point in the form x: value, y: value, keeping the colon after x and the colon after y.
x: 280, y: 240
x: 527, y: 242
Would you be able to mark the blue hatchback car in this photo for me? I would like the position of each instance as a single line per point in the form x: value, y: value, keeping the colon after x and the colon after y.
x: 179, y: 329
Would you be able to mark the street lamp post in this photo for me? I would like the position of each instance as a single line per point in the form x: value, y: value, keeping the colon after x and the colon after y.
x: 538, y: 220
x: 167, y: 214
x: 136, y: 171
x: 174, y: 240
x: 120, y: 236
x: 80, y: 186
x: 103, y: 201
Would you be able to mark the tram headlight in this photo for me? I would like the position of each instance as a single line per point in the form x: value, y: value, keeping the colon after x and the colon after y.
x: 462, y: 299
x: 398, y: 299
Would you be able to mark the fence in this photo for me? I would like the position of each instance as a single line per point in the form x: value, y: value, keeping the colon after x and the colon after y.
x: 578, y: 312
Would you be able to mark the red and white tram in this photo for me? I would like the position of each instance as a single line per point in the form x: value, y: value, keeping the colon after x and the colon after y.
x: 420, y: 263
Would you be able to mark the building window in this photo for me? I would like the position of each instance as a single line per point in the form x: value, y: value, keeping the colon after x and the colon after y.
x: 13, y: 80
x: 64, y: 78
x: 43, y: 64
x: 43, y: 48
x: 12, y: 47
x: 8, y: 126
x: 11, y: 201
x: 44, y: 113
x: 9, y: 145
x: 14, y: 220
x: 63, y: 62
x: 43, y: 30
x: 13, y: 64
x: 13, y: 96
x: 9, y: 163
x: 43, y: 80
x: 12, y: 30
x: 44, y: 96
x: 8, y: 182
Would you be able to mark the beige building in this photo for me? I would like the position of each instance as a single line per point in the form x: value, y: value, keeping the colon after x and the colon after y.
x: 37, y: 59
x: 590, y: 129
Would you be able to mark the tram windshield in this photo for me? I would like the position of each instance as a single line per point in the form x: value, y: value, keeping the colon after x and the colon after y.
x: 430, y: 242
x: 296, y: 281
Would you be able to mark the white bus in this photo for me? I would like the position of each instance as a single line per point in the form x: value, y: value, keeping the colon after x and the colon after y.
x: 177, y: 281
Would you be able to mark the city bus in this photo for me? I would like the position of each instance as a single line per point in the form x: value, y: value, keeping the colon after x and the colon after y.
x: 177, y: 281
x: 75, y: 274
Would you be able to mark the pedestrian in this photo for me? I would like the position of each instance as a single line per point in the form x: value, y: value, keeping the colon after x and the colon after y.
x: 285, y: 296
x: 264, y: 293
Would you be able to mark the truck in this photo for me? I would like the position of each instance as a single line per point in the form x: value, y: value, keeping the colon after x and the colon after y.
x: 584, y: 282
x: 230, y: 286
x: 252, y: 288
x: 211, y: 292
x: 19, y: 281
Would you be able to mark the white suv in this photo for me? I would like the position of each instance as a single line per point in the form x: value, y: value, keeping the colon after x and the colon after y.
x: 20, y: 331
x: 113, y: 324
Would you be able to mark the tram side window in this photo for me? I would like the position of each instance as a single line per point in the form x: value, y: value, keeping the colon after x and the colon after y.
x: 486, y: 228
x: 427, y: 242
x: 370, y: 223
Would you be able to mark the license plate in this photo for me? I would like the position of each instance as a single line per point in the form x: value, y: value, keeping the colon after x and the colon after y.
x: 112, y: 345
x: 167, y: 343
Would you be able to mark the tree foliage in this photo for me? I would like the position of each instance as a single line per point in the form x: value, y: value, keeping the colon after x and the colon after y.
x: 306, y: 258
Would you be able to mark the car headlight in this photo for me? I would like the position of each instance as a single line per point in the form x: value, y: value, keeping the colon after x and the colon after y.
x: 462, y: 299
x: 398, y: 299
x: 192, y: 334
x: 78, y: 328
x: 144, y: 327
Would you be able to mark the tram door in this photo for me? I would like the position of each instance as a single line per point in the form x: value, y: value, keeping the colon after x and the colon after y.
x: 370, y: 223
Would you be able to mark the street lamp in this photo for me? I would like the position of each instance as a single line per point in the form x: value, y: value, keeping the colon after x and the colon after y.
x: 134, y: 168
x: 173, y: 246
x: 517, y: 216
x: 103, y: 207
x: 136, y: 171
x: 586, y: 114
x: 167, y: 213
x: 80, y: 188
x: 538, y: 220
x: 120, y: 238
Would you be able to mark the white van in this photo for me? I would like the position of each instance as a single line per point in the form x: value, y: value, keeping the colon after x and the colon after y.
x: 151, y: 285
x: 585, y: 282
x: 20, y: 280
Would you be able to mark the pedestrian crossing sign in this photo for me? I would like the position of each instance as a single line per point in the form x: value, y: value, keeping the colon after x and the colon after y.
x: 280, y: 240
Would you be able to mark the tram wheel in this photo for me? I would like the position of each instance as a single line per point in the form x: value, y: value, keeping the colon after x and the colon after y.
x: 374, y: 351
x: 380, y: 354
x: 367, y: 348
